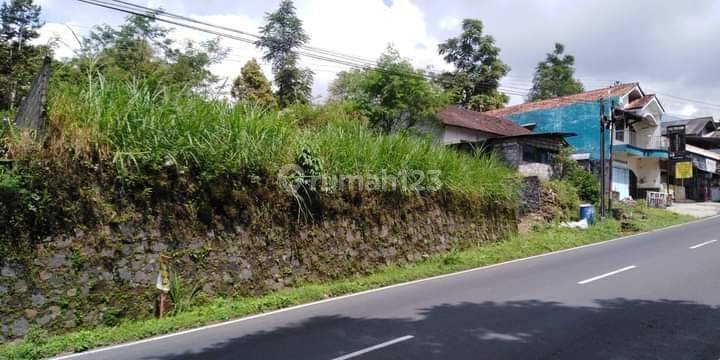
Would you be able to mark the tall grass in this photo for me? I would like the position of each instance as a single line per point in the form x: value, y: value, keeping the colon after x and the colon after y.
x: 348, y: 148
x: 135, y: 127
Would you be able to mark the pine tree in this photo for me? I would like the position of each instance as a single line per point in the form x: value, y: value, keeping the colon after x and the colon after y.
x: 252, y: 86
x: 281, y: 36
x: 554, y: 76
x: 19, y: 60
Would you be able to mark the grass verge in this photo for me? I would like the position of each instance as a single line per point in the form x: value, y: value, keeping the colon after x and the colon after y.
x: 38, y: 344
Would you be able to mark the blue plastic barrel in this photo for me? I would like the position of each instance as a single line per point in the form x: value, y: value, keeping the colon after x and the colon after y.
x: 586, y: 212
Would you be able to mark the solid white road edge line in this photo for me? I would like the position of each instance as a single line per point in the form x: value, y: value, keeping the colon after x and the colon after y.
x: 373, y: 348
x: 296, y: 307
x: 606, y: 275
x: 702, y: 244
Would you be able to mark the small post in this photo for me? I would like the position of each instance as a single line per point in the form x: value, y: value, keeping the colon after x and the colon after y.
x: 163, y: 284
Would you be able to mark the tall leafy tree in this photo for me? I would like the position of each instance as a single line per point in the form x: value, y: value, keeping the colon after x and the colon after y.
x: 554, y: 76
x: 478, y: 68
x: 252, y: 86
x: 19, y: 59
x: 139, y: 48
x: 281, y: 36
x: 393, y: 95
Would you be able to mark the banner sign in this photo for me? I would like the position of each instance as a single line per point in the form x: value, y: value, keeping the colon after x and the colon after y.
x: 683, y: 170
x: 710, y: 165
x: 676, y: 134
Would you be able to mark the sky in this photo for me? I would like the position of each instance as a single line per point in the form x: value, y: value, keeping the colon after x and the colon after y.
x: 668, y: 47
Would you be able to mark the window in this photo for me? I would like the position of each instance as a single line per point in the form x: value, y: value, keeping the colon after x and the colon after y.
x: 533, y: 154
x: 620, y: 130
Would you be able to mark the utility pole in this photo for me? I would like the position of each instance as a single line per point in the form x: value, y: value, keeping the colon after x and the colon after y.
x: 611, y: 126
x: 603, y: 121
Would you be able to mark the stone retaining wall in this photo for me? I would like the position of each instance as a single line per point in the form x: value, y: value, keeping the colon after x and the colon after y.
x: 98, y: 276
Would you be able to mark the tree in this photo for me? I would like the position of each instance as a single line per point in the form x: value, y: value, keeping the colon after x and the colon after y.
x: 393, y: 95
x: 478, y: 69
x: 281, y: 36
x: 554, y: 76
x: 140, y: 48
x: 19, y: 60
x: 252, y: 86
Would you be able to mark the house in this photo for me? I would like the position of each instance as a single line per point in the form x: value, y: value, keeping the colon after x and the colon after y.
x: 528, y: 152
x: 638, y: 145
x: 703, y: 149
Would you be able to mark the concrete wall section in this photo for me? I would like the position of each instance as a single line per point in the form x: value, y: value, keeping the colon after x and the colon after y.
x: 456, y: 135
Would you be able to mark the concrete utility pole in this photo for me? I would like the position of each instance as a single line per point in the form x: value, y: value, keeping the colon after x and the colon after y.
x: 603, y: 121
x: 611, y: 125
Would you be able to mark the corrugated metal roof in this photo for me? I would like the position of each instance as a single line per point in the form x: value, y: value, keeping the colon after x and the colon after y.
x: 456, y: 116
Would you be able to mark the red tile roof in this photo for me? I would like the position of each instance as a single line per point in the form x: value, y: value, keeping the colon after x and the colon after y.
x: 617, y: 90
x: 456, y: 116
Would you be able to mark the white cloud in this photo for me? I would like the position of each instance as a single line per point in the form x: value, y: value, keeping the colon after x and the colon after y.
x: 689, y: 110
x: 240, y: 53
x: 449, y: 23
x: 365, y: 28
x: 356, y: 27
x: 61, y: 37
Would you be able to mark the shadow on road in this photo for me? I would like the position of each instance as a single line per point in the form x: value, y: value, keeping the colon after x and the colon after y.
x: 612, y: 329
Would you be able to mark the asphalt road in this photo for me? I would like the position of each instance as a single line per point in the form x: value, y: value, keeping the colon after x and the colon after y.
x: 651, y: 296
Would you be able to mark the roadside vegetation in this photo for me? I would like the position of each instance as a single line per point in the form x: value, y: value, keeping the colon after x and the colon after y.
x: 545, y: 239
x: 136, y: 128
x: 133, y: 107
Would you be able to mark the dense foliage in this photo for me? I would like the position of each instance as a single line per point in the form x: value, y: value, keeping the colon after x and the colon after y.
x: 554, y: 76
x: 478, y: 68
x: 567, y: 169
x: 141, y: 49
x: 393, y: 95
x: 253, y: 87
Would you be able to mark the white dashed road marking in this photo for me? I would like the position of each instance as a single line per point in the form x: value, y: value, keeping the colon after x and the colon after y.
x: 606, y: 275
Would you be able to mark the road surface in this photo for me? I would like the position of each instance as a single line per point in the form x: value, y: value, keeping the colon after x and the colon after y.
x: 651, y: 296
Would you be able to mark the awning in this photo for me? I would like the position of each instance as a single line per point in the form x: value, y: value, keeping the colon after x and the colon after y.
x: 640, y: 152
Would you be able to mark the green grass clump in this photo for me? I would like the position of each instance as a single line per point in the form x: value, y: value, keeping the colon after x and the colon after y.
x: 568, y: 200
x: 348, y: 148
x: 138, y: 127
x: 517, y: 246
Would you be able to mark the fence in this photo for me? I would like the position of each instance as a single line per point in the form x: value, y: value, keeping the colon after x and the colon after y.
x: 658, y: 200
x: 31, y: 114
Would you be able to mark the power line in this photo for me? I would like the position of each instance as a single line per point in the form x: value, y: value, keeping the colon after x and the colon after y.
x: 510, y: 84
x: 307, y: 53
x: 354, y: 58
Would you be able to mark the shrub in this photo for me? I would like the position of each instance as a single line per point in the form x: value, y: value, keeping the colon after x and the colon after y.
x: 567, y: 197
x: 568, y: 169
x: 181, y: 296
x: 586, y: 185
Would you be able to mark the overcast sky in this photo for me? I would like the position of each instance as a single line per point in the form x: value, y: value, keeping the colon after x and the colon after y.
x: 669, y: 47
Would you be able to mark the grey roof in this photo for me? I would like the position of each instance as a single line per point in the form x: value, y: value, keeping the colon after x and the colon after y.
x: 697, y: 126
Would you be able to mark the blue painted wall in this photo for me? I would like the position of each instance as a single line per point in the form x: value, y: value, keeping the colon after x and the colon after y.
x: 582, y: 119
